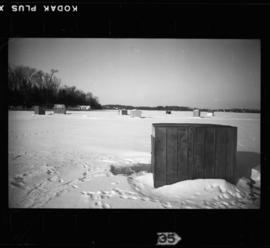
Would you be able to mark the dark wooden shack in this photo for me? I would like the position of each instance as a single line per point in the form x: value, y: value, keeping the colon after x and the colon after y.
x: 168, y: 112
x: 39, y: 110
x: 59, y: 109
x: 123, y: 112
x: 191, y: 151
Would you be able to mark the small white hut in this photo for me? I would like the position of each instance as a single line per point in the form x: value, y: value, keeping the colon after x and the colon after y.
x: 207, y: 114
x: 84, y: 107
x: 136, y: 113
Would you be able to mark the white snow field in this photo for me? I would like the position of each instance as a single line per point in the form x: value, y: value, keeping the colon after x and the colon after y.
x: 64, y: 161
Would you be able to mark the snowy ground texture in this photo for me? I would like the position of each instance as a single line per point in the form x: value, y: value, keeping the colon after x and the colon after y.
x: 65, y: 161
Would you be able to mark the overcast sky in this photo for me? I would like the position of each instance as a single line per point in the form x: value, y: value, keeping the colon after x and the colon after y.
x: 210, y: 73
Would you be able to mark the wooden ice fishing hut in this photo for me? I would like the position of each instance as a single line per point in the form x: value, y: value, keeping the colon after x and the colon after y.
x: 38, y: 110
x: 192, y: 151
x: 123, y: 112
x: 59, y: 109
x: 136, y: 113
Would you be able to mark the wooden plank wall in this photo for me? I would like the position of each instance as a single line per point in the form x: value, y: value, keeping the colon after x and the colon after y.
x: 160, y: 157
x: 190, y: 152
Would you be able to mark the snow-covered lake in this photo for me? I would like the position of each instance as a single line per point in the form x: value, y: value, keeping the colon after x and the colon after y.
x: 63, y: 161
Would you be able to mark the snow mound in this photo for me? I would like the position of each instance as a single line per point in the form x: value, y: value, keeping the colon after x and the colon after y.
x: 189, y: 187
x: 198, y: 187
x: 197, y: 193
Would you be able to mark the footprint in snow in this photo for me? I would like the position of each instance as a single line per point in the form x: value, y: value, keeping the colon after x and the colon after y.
x: 137, y: 188
x: 220, y: 197
x: 104, y: 196
x: 53, y: 179
x: 90, y: 193
x: 166, y: 205
x: 16, y: 157
x: 133, y: 197
x: 226, y: 196
x: 18, y: 181
x: 237, y: 190
x: 109, y: 195
x: 113, y: 192
x: 95, y: 197
x: 117, y: 190
x: 231, y: 193
x: 18, y: 184
x: 18, y: 178
x: 106, y: 205
x: 57, y: 194
x: 124, y: 196
x: 225, y: 203
x: 84, y: 193
x: 131, y: 193
x: 238, y: 195
x: 84, y: 175
x: 98, y: 204
x: 49, y: 172
x: 145, y: 199
x: 222, y: 189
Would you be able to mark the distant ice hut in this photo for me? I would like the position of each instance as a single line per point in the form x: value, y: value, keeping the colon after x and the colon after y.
x: 196, y: 113
x: 59, y: 109
x: 84, y: 107
x: 207, y: 114
x: 136, y: 113
x: 39, y: 110
x: 123, y: 112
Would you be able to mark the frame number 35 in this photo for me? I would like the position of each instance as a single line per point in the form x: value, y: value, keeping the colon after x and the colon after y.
x: 167, y: 238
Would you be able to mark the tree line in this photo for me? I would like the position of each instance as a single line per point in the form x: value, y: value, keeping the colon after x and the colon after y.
x: 29, y: 86
x: 180, y: 108
x: 175, y: 108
